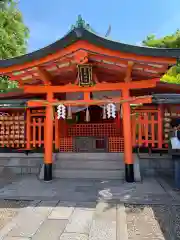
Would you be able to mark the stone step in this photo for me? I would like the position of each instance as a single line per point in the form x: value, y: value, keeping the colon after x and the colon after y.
x: 89, y: 164
x: 21, y: 155
x: 90, y: 156
x: 19, y: 163
x: 153, y: 156
x: 89, y: 174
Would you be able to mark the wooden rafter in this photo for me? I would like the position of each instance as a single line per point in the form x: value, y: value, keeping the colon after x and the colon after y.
x: 44, y: 75
x: 128, y: 77
x: 123, y: 62
x: 22, y: 76
x: 144, y: 68
x: 95, y: 78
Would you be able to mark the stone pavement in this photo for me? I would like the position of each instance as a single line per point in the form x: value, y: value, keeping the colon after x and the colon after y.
x: 65, y: 221
x: 30, y: 188
x: 91, y: 210
x: 93, y: 221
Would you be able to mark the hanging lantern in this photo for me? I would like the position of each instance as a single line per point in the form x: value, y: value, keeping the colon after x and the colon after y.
x: 85, y: 75
x: 111, y: 110
x: 61, y: 112
x: 69, y: 113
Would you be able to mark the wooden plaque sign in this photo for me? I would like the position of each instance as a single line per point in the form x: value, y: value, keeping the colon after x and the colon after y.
x: 85, y: 75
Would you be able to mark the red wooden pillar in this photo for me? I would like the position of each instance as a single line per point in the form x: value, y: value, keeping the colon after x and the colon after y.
x: 160, y: 126
x: 128, y: 156
x: 28, y: 128
x: 48, y: 146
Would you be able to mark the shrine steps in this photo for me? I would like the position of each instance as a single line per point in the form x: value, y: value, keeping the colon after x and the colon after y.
x: 90, y: 166
x: 20, y: 163
x: 69, y: 165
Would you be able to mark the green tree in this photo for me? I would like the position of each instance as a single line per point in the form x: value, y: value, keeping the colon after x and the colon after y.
x: 13, y: 36
x: 170, y: 41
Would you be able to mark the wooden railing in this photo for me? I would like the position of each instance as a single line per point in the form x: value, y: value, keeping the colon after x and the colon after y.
x: 147, y: 130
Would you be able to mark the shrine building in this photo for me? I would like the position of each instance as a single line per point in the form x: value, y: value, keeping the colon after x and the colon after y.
x: 87, y: 93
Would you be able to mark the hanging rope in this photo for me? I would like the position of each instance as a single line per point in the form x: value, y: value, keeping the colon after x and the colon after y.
x: 69, y: 113
x: 87, y: 115
x: 92, y: 102
x: 104, y: 112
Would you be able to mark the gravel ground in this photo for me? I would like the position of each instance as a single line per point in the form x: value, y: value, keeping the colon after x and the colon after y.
x: 153, y: 222
x: 9, y: 209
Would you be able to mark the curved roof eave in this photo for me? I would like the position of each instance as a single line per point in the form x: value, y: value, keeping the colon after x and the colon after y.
x: 83, y: 34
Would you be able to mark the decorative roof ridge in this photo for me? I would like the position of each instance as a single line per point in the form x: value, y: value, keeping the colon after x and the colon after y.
x: 82, y: 31
x: 81, y: 23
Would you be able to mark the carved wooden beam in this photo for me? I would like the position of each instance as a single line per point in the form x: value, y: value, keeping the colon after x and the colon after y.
x: 44, y: 75
x: 95, y: 78
x: 128, y: 77
x: 151, y: 83
x: 81, y: 57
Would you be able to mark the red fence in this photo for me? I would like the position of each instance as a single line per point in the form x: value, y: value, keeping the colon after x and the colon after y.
x: 147, y: 130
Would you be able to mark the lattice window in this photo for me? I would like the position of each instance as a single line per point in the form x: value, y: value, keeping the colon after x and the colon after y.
x: 66, y: 144
x: 96, y: 130
x: 116, y: 144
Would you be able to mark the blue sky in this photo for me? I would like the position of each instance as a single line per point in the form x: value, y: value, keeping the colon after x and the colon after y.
x: 131, y: 20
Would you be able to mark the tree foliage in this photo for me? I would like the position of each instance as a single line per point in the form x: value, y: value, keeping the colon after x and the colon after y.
x: 13, y: 36
x: 170, y: 41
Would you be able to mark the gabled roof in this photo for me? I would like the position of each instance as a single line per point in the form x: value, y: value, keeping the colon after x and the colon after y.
x: 82, y: 31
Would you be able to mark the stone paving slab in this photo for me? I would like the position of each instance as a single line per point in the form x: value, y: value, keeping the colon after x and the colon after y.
x: 11, y: 224
x: 29, y: 221
x: 73, y: 236
x: 16, y: 238
x: 121, y: 222
x: 80, y: 221
x: 61, y: 212
x: 50, y: 230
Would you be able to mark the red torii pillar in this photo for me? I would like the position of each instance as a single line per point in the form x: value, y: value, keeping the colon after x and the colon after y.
x: 48, y: 140
x: 128, y: 155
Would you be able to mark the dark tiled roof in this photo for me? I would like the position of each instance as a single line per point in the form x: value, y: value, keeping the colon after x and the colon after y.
x: 15, y: 103
x: 82, y: 33
x: 166, y: 98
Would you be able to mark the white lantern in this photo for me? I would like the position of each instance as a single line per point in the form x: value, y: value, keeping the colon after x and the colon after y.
x: 61, y: 111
